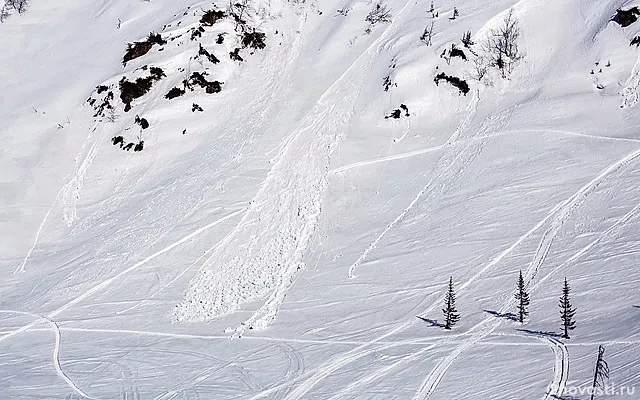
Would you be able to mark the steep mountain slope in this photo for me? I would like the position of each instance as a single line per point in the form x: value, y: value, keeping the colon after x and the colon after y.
x: 276, y: 226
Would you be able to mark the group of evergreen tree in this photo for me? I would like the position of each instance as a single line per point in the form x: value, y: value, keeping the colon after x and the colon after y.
x: 567, y: 311
x: 567, y: 314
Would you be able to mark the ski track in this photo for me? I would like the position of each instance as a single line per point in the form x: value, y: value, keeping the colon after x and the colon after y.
x: 286, y: 199
x: 564, y: 210
x: 289, y: 199
x: 567, y: 207
x: 338, y: 362
x: 56, y: 349
x: 69, y: 214
x: 560, y: 370
x: 428, y: 340
x: 379, y: 373
x: 21, y: 267
x: 71, y: 191
x: 108, y: 281
x: 433, y: 149
x: 586, y: 248
x: 372, y: 246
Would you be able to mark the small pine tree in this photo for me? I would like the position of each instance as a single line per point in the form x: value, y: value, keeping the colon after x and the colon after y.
x: 601, y: 372
x: 455, y: 13
x: 523, y: 299
x: 451, y: 315
x: 567, y: 312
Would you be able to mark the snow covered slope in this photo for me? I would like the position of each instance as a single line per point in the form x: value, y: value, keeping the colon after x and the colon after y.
x: 280, y: 231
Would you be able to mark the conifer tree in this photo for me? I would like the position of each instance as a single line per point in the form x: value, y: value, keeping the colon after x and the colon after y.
x: 523, y: 299
x: 601, y: 373
x: 451, y: 315
x: 567, y: 312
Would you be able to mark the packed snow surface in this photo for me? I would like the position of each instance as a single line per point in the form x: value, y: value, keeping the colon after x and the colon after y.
x: 286, y: 226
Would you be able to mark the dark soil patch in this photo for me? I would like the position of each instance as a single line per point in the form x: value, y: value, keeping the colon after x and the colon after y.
x: 197, y: 33
x: 626, y: 17
x: 173, y: 93
x: 117, y: 140
x: 139, y: 49
x: 157, y: 73
x: 211, y: 17
x: 104, y: 106
x: 144, y: 124
x: 398, y: 112
x: 130, y: 91
x: 198, y: 79
x: 454, y: 81
x: 212, y: 59
x: 456, y: 52
x: 254, y: 39
x: 235, y: 55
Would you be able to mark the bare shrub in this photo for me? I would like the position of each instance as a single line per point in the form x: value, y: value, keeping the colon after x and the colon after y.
x: 466, y: 39
x: 344, y: 10
x: 379, y: 13
x: 20, y: 6
x: 502, y: 45
x: 4, y: 13
x: 427, y: 35
x: 480, y: 68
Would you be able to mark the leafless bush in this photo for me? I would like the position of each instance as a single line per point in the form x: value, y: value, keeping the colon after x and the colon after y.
x: 20, y: 6
x: 480, y: 68
x: 4, y: 13
x: 466, y: 39
x: 427, y: 35
x: 379, y: 13
x: 502, y: 45
x: 344, y: 10
x: 239, y: 11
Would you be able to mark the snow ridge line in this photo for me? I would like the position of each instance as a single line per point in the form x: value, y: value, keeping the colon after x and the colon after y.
x: 56, y: 350
x: 561, y: 370
x: 108, y: 281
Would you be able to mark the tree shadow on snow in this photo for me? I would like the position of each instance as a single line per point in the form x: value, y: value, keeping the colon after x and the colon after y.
x: 509, y: 316
x: 541, y: 333
x: 433, y: 322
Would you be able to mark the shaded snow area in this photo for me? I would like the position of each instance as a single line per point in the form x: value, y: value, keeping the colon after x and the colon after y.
x: 268, y: 199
